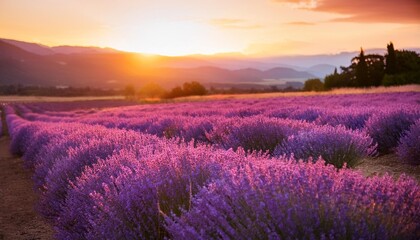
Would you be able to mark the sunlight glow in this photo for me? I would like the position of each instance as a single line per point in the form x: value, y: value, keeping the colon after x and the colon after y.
x: 168, y: 38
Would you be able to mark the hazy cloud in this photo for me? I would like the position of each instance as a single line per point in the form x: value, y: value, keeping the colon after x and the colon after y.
x: 301, y: 23
x: 281, y: 47
x: 401, y: 11
x: 233, y: 23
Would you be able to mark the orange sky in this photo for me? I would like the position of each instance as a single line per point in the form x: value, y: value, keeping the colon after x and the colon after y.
x: 180, y: 27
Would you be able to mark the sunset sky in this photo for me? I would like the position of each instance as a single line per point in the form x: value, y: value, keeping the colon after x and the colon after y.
x: 181, y: 27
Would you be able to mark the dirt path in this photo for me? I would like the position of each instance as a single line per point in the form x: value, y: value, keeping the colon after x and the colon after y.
x: 389, y: 164
x: 18, y: 219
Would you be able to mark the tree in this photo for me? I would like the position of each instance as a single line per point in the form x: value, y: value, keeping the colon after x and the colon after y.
x: 194, y: 88
x: 151, y: 90
x: 338, y: 80
x: 407, y: 61
x: 175, y: 92
x: 395, y: 68
x: 407, y: 70
x: 188, y: 89
x: 391, y: 60
x: 129, y: 91
x: 376, y: 67
x: 362, y: 77
x: 313, y: 84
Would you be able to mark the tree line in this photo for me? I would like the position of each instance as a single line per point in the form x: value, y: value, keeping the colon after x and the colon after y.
x: 154, y: 90
x: 22, y: 90
x: 396, y: 67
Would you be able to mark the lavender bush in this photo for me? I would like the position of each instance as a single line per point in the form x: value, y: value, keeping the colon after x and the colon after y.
x: 387, y: 127
x: 255, y: 133
x: 68, y: 168
x: 274, y: 200
x: 336, y: 145
x: 408, y: 149
x: 129, y: 193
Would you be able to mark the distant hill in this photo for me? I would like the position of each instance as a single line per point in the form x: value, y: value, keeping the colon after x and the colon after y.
x: 30, y: 47
x: 82, y: 50
x: 321, y: 70
x: 34, y: 64
x: 43, y: 50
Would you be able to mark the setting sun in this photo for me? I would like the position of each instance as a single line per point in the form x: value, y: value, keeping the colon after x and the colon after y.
x: 167, y: 38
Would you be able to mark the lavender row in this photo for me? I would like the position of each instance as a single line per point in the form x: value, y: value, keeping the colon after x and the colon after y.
x: 257, y: 133
x: 101, y: 183
x: 258, y: 125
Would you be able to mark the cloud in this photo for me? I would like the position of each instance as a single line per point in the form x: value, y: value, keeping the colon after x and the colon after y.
x: 301, y: 23
x: 275, y: 48
x: 401, y: 11
x: 233, y: 23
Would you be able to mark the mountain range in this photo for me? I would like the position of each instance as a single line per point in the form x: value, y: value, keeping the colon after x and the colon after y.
x: 39, y: 65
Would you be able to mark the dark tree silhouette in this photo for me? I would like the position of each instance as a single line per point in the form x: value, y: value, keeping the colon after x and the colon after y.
x: 129, y: 91
x: 391, y: 60
x: 313, y: 84
x: 376, y: 68
x: 344, y: 79
x: 397, y: 67
x: 193, y: 88
x: 175, y: 92
x: 188, y: 89
x: 407, y: 69
x: 362, y: 77
x: 407, y: 61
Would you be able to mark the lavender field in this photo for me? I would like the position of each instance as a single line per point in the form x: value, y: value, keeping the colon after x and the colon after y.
x: 274, y: 168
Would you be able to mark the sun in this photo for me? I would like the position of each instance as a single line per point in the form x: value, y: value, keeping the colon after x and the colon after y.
x: 174, y: 38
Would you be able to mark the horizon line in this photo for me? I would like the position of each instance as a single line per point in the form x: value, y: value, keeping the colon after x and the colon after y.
x: 216, y: 54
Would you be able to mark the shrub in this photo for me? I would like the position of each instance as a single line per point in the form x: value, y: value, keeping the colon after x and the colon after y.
x: 130, y: 192
x: 283, y: 200
x: 255, y: 133
x: 386, y: 127
x: 307, y: 114
x: 408, y: 149
x: 313, y: 84
x: 336, y: 145
x: 102, y: 143
x: 350, y: 118
x: 21, y: 138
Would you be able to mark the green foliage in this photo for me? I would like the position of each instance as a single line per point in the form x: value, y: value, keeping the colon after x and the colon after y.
x: 338, y: 80
x: 188, y: 89
x: 313, y: 84
x: 405, y: 71
x: 401, y: 79
x: 395, y: 68
x: 362, y: 75
x: 407, y: 61
x: 376, y: 68
x: 391, y: 60
x: 193, y: 88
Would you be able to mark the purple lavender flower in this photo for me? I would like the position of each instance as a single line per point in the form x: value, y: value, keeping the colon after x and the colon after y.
x: 387, y: 127
x: 408, y: 149
x: 336, y: 145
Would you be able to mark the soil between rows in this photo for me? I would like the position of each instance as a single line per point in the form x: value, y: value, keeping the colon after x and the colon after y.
x: 18, y: 218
